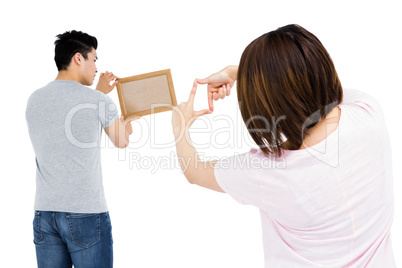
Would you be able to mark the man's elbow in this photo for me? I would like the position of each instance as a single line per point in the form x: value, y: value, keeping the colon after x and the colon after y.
x: 122, y: 145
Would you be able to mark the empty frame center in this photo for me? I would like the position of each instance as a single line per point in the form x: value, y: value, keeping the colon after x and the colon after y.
x: 145, y: 90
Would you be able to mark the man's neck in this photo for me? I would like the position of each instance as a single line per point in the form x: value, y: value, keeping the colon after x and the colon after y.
x: 66, y: 75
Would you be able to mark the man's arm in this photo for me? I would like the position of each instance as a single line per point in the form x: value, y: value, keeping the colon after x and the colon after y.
x: 120, y: 131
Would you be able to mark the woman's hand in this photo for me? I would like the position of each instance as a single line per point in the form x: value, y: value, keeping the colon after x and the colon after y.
x: 219, y: 84
x: 183, y: 116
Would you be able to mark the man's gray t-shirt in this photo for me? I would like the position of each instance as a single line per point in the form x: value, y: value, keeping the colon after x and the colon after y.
x: 65, y: 121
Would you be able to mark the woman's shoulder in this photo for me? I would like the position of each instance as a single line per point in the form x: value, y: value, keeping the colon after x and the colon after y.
x: 362, y: 101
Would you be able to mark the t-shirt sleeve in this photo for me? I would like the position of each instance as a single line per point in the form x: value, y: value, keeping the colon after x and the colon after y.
x: 236, y: 178
x: 107, y: 111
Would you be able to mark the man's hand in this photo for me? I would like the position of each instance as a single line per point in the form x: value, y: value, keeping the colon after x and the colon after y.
x: 120, y: 131
x: 127, y: 123
x: 104, y: 82
x: 219, y: 84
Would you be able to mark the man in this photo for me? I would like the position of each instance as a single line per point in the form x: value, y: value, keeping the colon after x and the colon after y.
x: 72, y: 224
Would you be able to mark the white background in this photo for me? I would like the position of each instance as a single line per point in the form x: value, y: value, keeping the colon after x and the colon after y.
x: 159, y: 220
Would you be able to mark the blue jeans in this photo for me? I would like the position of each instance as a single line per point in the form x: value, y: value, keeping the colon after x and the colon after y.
x: 66, y: 239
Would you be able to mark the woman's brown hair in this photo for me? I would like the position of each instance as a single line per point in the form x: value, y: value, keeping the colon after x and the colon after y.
x: 286, y: 83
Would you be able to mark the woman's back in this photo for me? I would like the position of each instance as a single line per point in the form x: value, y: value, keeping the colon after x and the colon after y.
x: 329, y: 205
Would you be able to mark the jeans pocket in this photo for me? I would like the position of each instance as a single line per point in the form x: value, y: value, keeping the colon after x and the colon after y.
x: 38, y: 235
x: 84, y: 229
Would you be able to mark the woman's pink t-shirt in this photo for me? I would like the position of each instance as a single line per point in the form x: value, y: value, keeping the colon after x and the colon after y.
x: 330, y: 205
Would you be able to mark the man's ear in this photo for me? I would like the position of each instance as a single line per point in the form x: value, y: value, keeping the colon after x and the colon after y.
x: 77, y: 58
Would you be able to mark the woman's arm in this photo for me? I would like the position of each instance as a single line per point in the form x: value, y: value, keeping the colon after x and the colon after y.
x: 196, y: 171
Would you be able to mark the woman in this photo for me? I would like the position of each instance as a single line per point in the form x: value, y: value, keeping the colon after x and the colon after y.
x: 322, y: 176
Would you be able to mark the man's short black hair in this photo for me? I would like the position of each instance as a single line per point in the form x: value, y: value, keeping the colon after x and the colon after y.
x: 69, y: 43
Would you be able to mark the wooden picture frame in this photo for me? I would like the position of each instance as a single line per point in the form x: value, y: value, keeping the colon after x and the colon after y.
x: 147, y: 93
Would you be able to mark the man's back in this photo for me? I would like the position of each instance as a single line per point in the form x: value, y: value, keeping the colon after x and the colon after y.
x: 65, y: 121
